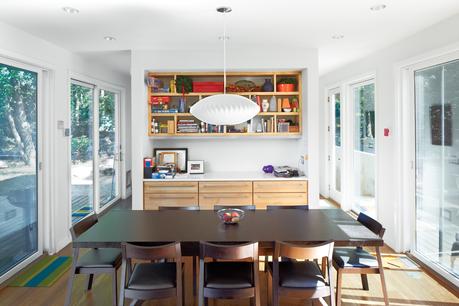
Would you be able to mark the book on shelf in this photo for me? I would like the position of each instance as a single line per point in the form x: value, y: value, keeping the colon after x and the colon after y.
x: 164, y: 111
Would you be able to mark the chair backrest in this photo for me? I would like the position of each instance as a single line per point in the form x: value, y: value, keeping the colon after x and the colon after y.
x: 142, y: 252
x: 82, y: 226
x: 304, y: 251
x: 371, y: 224
x: 229, y: 251
x: 242, y: 207
x: 179, y: 208
x: 274, y: 207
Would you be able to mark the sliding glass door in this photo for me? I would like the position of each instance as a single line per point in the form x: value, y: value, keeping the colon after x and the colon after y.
x: 19, y: 210
x: 364, y: 151
x: 108, y: 147
x: 336, y: 153
x: 95, y: 145
x: 437, y: 165
x: 82, y: 149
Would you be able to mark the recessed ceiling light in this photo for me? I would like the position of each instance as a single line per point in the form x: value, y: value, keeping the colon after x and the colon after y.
x: 109, y: 38
x: 70, y: 10
x: 338, y: 36
x: 378, y: 7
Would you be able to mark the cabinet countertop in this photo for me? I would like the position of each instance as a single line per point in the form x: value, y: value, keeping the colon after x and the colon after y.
x: 229, y: 176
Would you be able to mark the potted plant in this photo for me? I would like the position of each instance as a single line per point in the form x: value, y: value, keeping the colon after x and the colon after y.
x: 286, y: 84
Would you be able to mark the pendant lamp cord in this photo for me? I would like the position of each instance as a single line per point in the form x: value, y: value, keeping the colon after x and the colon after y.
x: 224, y: 53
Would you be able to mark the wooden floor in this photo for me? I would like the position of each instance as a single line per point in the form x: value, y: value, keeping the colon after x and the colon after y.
x: 405, y: 288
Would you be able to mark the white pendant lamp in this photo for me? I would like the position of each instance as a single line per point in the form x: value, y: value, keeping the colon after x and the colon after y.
x: 224, y: 109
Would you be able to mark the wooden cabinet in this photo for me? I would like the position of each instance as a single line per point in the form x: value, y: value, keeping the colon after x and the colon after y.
x: 208, y: 200
x: 170, y: 187
x: 280, y: 186
x: 206, y: 194
x: 223, y: 187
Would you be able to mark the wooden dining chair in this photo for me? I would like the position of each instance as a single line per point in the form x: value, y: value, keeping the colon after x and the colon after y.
x: 94, y: 261
x: 301, y: 279
x: 274, y: 207
x: 233, y: 278
x: 359, y: 261
x: 187, y: 250
x: 151, y: 280
x: 241, y: 207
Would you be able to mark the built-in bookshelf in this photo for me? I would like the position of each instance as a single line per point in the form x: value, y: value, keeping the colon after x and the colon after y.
x: 170, y: 96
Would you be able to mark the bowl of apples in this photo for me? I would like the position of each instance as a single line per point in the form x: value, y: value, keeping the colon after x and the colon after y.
x: 230, y: 215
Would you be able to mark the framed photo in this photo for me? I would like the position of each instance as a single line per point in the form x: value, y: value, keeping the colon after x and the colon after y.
x: 177, y: 156
x: 195, y: 166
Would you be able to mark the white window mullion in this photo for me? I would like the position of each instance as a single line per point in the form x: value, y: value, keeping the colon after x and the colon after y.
x: 96, y: 191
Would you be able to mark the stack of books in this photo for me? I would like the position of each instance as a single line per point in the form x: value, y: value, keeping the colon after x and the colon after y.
x: 187, y: 126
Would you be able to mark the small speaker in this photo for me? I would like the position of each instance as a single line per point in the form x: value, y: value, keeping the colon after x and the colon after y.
x: 147, y: 173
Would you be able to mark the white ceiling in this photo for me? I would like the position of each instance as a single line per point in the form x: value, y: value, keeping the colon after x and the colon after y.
x: 193, y: 24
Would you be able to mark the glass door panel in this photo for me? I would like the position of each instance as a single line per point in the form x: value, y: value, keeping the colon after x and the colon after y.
x: 336, y: 154
x: 108, y: 148
x: 364, y: 155
x: 82, y: 174
x: 18, y: 166
x: 437, y: 165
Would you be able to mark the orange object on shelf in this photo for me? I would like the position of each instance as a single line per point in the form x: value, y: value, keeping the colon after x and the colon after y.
x: 160, y: 100
x: 285, y: 87
x: 285, y: 103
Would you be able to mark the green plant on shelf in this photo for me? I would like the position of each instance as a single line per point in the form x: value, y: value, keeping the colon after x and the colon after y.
x: 184, y: 84
x: 287, y: 81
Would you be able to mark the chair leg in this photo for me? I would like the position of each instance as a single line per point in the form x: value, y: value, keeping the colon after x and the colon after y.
x: 276, y: 298
x: 194, y: 275
x: 364, y: 278
x: 115, y: 288
x: 201, y: 299
x: 339, y: 280
x: 266, y: 263
x: 381, y: 274
x: 89, y: 282
x: 68, y: 298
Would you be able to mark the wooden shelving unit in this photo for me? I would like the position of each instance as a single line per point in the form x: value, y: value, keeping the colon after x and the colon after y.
x: 293, y: 118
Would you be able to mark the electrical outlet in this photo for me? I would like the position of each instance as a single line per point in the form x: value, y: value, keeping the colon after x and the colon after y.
x: 302, y: 159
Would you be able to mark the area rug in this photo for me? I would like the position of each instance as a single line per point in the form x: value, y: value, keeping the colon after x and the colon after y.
x: 81, y: 213
x: 43, y: 273
x: 398, y: 262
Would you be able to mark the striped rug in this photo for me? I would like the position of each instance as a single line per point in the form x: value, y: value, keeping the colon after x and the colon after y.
x: 81, y: 213
x: 44, y: 273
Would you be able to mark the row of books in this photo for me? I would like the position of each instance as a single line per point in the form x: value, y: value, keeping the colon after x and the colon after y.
x: 187, y: 126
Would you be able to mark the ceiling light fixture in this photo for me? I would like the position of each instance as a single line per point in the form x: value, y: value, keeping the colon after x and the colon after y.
x: 224, y: 109
x: 338, y: 36
x: 70, y: 10
x: 378, y: 7
x: 109, y: 38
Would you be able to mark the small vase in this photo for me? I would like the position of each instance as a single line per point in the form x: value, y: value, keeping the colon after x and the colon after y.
x: 182, y: 105
x: 265, y: 105
x: 267, y: 86
x: 272, y: 104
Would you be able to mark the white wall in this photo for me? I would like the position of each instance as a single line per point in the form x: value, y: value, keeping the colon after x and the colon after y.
x: 23, y: 47
x: 228, y: 154
x: 383, y: 63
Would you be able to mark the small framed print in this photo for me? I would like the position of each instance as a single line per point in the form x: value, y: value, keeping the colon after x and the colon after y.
x: 195, y: 166
x: 177, y: 156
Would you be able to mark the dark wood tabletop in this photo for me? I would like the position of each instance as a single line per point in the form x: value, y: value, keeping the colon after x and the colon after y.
x: 263, y: 226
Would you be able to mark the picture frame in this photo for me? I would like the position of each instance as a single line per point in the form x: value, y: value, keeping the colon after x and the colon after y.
x: 195, y: 167
x: 180, y: 155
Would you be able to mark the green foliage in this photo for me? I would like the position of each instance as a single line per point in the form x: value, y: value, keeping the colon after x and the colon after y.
x: 81, y: 148
x: 288, y: 81
x: 17, y: 86
x: 184, y: 84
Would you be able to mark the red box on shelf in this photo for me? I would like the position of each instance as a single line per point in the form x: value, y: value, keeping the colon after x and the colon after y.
x: 160, y: 100
x: 208, y: 86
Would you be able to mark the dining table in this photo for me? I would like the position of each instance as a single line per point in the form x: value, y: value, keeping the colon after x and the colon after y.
x: 262, y: 226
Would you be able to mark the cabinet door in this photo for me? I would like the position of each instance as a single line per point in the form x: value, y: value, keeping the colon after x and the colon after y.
x: 280, y: 186
x: 170, y: 187
x: 153, y: 201
x: 261, y: 200
x: 225, y: 187
x: 208, y: 200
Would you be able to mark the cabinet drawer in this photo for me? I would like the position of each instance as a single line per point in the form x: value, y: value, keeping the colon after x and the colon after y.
x: 225, y: 187
x: 153, y: 201
x: 170, y: 187
x: 208, y: 200
x: 293, y: 198
x: 280, y: 186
